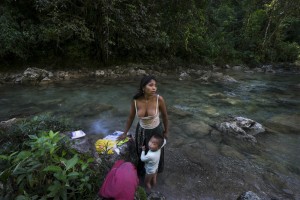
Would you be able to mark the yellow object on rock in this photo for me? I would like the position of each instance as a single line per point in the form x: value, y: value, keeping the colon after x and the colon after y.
x: 104, y: 146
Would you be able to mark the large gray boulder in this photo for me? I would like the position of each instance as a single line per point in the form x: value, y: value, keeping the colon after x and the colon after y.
x: 35, y: 75
x: 241, y: 128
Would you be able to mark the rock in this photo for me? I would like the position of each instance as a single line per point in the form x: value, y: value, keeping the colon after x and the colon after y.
x: 156, y: 196
x: 219, y: 77
x: 35, y: 74
x: 228, y: 151
x: 184, y: 76
x: 268, y: 69
x: 248, y: 196
x: 288, y: 191
x: 210, y: 110
x: 46, y: 80
x: 206, y: 76
x: 197, y: 129
x: 241, y: 128
x: 231, y: 101
x: 227, y: 66
x: 82, y: 145
x: 257, y: 69
x: 217, y: 95
x: 100, y: 73
x: 237, y: 68
x: 6, y: 124
x: 140, y: 72
x: 250, y: 126
x: 176, y: 110
x: 284, y: 123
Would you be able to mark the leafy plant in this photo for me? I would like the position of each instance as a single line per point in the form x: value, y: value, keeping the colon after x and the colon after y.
x: 141, y: 193
x: 12, y: 138
x: 50, y: 169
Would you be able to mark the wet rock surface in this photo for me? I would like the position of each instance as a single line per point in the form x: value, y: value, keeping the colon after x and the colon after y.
x: 204, y: 74
x: 241, y: 128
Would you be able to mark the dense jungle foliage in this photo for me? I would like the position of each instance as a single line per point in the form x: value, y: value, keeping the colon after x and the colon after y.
x: 120, y: 31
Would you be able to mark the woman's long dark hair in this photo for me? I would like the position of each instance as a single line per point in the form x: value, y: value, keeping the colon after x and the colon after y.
x: 144, y: 81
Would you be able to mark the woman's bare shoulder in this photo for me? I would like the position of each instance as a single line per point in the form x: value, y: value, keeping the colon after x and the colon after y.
x: 160, y: 98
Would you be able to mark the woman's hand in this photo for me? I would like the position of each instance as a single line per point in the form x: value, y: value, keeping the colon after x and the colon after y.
x: 122, y: 137
x: 165, y: 135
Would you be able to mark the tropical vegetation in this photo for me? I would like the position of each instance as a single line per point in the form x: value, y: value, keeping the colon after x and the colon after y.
x: 122, y: 31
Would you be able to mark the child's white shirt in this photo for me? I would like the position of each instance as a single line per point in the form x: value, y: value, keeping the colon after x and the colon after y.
x: 151, y: 159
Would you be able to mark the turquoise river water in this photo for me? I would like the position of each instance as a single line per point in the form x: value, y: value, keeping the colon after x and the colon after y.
x: 199, y: 164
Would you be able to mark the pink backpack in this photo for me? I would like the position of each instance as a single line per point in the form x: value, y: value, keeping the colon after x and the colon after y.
x: 120, y: 182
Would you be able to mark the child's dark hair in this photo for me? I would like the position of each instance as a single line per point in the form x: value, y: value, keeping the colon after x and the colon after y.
x: 160, y: 139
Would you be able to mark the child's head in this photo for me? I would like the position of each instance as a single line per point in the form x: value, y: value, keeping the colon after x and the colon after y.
x: 155, y: 142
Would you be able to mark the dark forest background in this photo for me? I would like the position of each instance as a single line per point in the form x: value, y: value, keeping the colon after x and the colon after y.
x: 122, y: 31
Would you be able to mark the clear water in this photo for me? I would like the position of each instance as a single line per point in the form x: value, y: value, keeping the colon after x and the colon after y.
x: 199, y: 165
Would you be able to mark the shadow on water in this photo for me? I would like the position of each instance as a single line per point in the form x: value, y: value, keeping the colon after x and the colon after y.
x: 200, y: 162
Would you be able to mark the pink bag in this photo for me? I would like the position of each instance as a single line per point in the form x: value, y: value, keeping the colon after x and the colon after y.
x: 120, y: 182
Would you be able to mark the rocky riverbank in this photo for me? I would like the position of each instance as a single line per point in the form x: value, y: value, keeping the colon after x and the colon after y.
x: 213, y: 73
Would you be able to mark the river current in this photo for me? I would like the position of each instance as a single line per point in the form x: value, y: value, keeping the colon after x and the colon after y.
x: 199, y: 164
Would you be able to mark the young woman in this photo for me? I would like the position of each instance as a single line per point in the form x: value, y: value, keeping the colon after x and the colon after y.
x: 147, y: 106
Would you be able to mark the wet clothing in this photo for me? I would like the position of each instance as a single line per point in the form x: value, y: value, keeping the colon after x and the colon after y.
x: 151, y: 159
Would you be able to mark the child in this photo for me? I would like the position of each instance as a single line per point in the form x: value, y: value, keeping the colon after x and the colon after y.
x: 151, y: 159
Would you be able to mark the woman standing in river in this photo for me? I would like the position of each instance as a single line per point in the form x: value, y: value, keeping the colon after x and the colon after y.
x: 147, y: 105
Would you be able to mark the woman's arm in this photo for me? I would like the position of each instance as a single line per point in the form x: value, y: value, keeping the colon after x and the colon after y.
x: 129, y: 121
x: 163, y: 110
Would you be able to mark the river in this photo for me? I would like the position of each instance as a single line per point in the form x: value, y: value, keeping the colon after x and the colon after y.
x: 199, y: 164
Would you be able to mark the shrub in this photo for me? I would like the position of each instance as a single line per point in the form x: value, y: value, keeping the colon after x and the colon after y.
x: 12, y: 138
x: 50, y: 169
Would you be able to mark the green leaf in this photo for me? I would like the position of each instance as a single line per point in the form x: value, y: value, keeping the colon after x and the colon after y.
x: 54, y: 189
x: 35, y: 197
x: 20, y: 178
x: 84, y: 166
x: 73, y: 175
x: 3, y: 157
x: 52, y: 134
x: 89, y: 186
x: 72, y: 162
x: 21, y: 197
x: 30, y: 180
x: 23, y: 155
x: 61, y: 176
x: 52, y: 168
x: 64, y: 194
x: 4, y: 175
x: 19, y: 170
x: 90, y: 160
x: 33, y: 137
